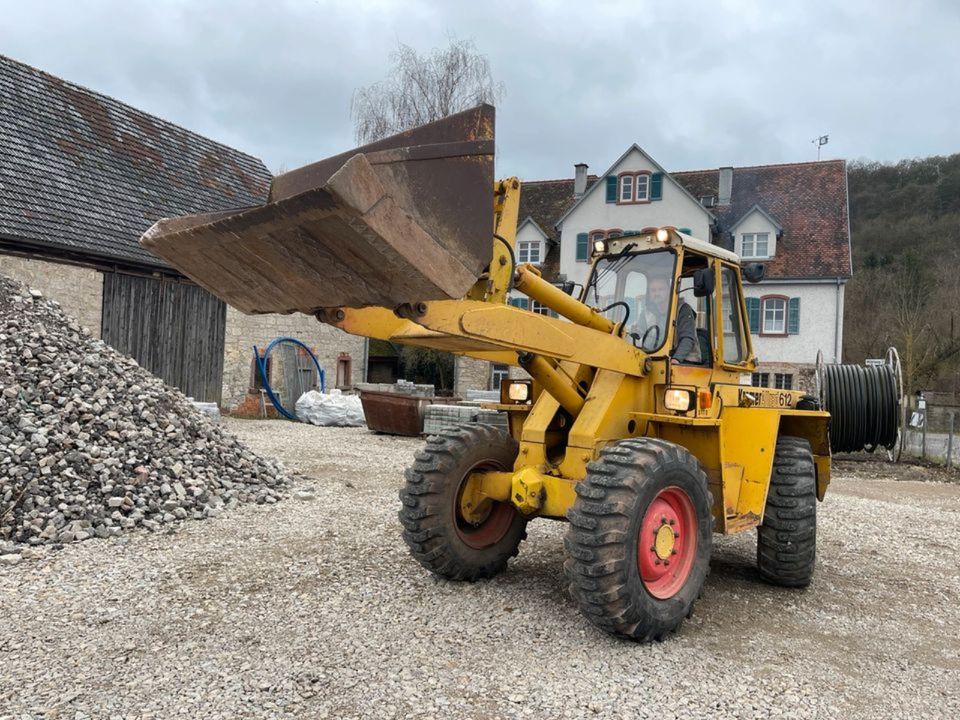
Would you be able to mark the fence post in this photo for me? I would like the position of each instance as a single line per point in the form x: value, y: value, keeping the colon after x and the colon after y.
x: 950, y: 439
x: 923, y: 436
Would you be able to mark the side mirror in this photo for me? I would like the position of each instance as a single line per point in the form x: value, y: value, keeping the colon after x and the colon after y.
x: 703, y: 282
x: 568, y: 287
x: 753, y: 272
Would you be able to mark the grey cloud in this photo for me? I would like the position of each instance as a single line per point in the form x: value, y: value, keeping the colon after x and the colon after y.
x: 696, y: 84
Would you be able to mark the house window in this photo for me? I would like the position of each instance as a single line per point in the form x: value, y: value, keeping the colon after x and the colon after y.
x: 643, y: 188
x: 539, y: 309
x: 498, y: 374
x: 637, y: 187
x: 528, y: 252
x: 755, y: 245
x: 344, y: 369
x: 774, y: 316
x: 256, y: 381
x: 520, y: 302
x: 783, y: 381
x: 611, y: 234
x: 760, y: 379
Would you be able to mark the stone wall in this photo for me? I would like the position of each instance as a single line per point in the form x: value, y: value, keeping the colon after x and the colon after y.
x: 804, y: 374
x: 476, y: 375
x: 245, y: 331
x: 79, y: 290
x: 470, y: 374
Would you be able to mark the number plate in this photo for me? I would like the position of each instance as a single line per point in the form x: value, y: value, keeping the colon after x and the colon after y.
x: 767, y: 398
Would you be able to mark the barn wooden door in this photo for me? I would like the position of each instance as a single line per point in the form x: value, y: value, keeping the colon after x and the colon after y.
x: 172, y: 328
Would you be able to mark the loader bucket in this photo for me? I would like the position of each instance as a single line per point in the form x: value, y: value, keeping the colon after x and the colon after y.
x: 401, y: 220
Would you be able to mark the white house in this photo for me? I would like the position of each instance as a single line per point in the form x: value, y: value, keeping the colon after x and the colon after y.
x: 793, y: 218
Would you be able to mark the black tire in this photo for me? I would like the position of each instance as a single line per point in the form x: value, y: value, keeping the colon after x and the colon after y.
x: 787, y: 538
x: 603, y: 540
x: 433, y: 527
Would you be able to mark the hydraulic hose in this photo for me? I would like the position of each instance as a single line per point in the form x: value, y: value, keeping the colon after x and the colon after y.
x: 265, y: 380
x: 864, y: 406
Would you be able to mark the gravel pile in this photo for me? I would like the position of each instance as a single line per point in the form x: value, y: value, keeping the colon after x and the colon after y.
x: 92, y: 444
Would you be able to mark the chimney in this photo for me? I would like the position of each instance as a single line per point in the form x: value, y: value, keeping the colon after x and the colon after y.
x: 726, y: 186
x: 579, y: 179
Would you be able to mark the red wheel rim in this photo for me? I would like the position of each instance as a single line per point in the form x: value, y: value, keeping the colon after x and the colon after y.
x: 667, y: 543
x: 494, y: 526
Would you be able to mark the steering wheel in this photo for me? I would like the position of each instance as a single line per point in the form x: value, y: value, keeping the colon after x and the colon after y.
x: 656, y: 338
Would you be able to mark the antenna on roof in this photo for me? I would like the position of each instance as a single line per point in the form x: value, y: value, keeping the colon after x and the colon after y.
x: 820, y: 142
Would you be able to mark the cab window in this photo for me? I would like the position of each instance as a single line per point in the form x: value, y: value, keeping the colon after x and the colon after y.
x: 734, y: 344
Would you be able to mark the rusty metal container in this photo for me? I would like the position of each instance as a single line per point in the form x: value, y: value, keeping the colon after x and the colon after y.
x: 404, y: 219
x: 395, y: 413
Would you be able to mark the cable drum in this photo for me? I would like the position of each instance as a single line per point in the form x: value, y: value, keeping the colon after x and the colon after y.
x: 863, y: 402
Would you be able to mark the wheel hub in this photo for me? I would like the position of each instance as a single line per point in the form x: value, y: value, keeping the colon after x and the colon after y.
x: 663, y: 545
x: 479, y: 521
x: 667, y: 543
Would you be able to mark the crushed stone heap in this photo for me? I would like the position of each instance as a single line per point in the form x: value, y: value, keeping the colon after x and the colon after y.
x: 92, y: 444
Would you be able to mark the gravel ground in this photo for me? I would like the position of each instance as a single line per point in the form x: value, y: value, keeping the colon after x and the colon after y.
x: 312, y: 608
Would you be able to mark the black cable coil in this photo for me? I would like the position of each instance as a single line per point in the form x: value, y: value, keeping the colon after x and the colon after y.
x: 864, y: 406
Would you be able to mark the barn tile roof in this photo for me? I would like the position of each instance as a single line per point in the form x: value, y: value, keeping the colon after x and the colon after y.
x: 809, y: 201
x: 84, y: 175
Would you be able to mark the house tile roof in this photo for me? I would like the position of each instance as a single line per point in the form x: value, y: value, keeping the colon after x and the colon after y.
x: 809, y: 201
x: 82, y: 174
x: 545, y: 202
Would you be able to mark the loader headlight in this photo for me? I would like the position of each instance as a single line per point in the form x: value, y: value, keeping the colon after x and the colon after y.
x: 599, y: 246
x: 663, y: 235
x: 515, y: 391
x: 677, y: 399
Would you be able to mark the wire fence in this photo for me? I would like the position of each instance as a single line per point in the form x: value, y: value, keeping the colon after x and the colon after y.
x: 932, y: 431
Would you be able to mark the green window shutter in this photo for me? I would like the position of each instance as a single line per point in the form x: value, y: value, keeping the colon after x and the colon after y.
x: 753, y: 314
x: 611, y: 189
x: 793, y: 317
x: 583, y: 245
x: 656, y: 186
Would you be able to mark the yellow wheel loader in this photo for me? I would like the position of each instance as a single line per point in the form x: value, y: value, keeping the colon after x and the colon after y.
x: 634, y: 426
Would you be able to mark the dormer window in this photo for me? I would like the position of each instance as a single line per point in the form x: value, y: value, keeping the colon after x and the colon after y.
x: 757, y: 234
x: 529, y: 252
x: 755, y: 245
x: 626, y: 189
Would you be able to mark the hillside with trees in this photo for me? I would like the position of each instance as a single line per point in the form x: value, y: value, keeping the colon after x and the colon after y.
x: 905, y: 291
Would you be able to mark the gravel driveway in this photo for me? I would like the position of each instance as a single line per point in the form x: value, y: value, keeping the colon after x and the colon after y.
x: 312, y: 608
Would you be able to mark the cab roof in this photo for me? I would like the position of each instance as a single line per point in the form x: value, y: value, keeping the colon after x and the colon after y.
x: 651, y: 238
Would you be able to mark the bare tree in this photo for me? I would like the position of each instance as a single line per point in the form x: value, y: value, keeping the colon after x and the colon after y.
x: 423, y: 88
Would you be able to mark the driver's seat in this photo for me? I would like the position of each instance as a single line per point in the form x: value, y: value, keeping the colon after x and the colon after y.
x: 700, y: 355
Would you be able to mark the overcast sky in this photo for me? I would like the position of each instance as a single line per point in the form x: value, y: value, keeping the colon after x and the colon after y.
x: 696, y: 84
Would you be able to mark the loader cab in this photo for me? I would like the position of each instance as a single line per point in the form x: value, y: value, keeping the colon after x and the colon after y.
x: 654, y: 282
